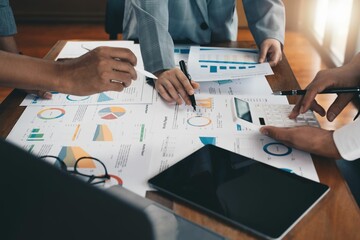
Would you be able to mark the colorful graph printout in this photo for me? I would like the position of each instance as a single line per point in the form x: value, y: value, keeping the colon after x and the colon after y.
x: 208, y: 140
x: 51, y: 113
x: 205, y: 102
x: 199, y: 121
x: 69, y: 154
x: 111, y: 113
x: 104, y: 97
x: 214, y: 64
x: 73, y: 98
x: 277, y: 149
x: 35, y: 135
x: 102, y: 133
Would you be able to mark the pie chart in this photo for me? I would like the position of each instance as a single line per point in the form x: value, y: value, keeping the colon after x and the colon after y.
x: 111, y: 113
x: 199, y: 121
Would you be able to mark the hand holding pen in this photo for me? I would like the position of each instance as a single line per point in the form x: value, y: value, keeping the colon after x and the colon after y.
x: 355, y: 90
x: 184, y: 70
x: 341, y: 81
x: 329, y: 90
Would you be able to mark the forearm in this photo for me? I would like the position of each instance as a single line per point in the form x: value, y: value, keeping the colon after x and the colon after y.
x: 266, y: 19
x: 156, y: 44
x: 24, y: 72
x: 8, y: 44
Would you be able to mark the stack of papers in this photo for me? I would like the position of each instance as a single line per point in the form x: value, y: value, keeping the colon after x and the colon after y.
x: 136, y: 134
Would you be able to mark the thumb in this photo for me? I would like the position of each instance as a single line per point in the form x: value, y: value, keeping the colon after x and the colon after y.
x: 338, y: 105
x: 263, y: 52
x: 272, y: 132
x: 44, y: 94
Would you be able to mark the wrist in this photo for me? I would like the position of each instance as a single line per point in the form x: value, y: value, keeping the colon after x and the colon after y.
x: 331, y: 147
x: 158, y: 73
x: 62, y: 77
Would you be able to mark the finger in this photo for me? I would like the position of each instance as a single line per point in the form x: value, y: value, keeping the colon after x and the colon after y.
x: 183, y: 86
x: 315, y: 87
x: 172, y: 92
x: 338, y: 105
x: 184, y: 81
x: 164, y: 94
x: 308, y: 99
x: 274, y: 132
x: 179, y: 89
x: 275, y: 58
x: 195, y: 85
x: 116, y: 85
x: 125, y: 67
x: 40, y: 93
x: 296, y: 109
x: 299, y: 108
x: 124, y: 54
x: 282, y: 134
x: 263, y: 51
x: 44, y: 94
x: 318, y: 108
x: 121, y: 77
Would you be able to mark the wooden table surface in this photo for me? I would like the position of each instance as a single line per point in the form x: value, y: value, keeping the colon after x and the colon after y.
x: 337, y: 216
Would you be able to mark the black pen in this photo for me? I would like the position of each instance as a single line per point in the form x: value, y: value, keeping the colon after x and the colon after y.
x: 330, y: 90
x: 184, y: 70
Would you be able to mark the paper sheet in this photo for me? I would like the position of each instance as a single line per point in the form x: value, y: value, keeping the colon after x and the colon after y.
x: 181, y: 52
x: 126, y: 162
x: 170, y: 148
x: 212, y: 64
x: 243, y: 86
x: 115, y: 134
x: 83, y: 124
x: 213, y: 114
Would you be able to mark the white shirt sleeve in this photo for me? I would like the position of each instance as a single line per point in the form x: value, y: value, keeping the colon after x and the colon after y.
x: 347, y: 140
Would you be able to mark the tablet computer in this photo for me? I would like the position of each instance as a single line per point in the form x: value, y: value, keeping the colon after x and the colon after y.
x: 251, y: 195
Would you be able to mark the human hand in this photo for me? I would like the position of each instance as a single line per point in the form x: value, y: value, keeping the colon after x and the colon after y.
x: 174, y: 86
x: 270, y: 49
x: 309, y: 139
x: 93, y: 71
x: 40, y: 93
x: 345, y: 76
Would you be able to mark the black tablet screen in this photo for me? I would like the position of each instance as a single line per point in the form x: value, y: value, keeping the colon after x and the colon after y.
x: 245, y: 192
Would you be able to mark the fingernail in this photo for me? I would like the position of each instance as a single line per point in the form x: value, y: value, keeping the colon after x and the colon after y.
x: 191, y: 92
x: 302, y: 109
x: 47, y: 95
x: 331, y: 116
x: 264, y: 131
x: 291, y: 115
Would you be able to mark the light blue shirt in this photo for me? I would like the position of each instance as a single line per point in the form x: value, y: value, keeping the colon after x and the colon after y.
x: 7, y: 21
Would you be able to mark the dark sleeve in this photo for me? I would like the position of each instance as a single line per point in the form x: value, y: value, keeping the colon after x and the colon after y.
x: 7, y: 21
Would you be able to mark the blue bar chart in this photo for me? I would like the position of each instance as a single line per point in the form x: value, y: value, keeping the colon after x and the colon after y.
x: 213, y: 64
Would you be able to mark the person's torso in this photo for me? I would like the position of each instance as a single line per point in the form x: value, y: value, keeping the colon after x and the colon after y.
x: 199, y: 22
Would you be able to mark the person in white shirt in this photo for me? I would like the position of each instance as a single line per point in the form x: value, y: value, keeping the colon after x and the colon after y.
x: 341, y: 143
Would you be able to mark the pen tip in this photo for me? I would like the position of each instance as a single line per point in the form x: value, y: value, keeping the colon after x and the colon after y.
x: 276, y: 93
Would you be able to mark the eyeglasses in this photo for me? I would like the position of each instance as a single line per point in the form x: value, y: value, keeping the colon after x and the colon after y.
x: 90, y: 168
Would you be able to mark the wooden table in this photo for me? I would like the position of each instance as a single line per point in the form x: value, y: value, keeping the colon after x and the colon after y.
x: 337, y: 216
